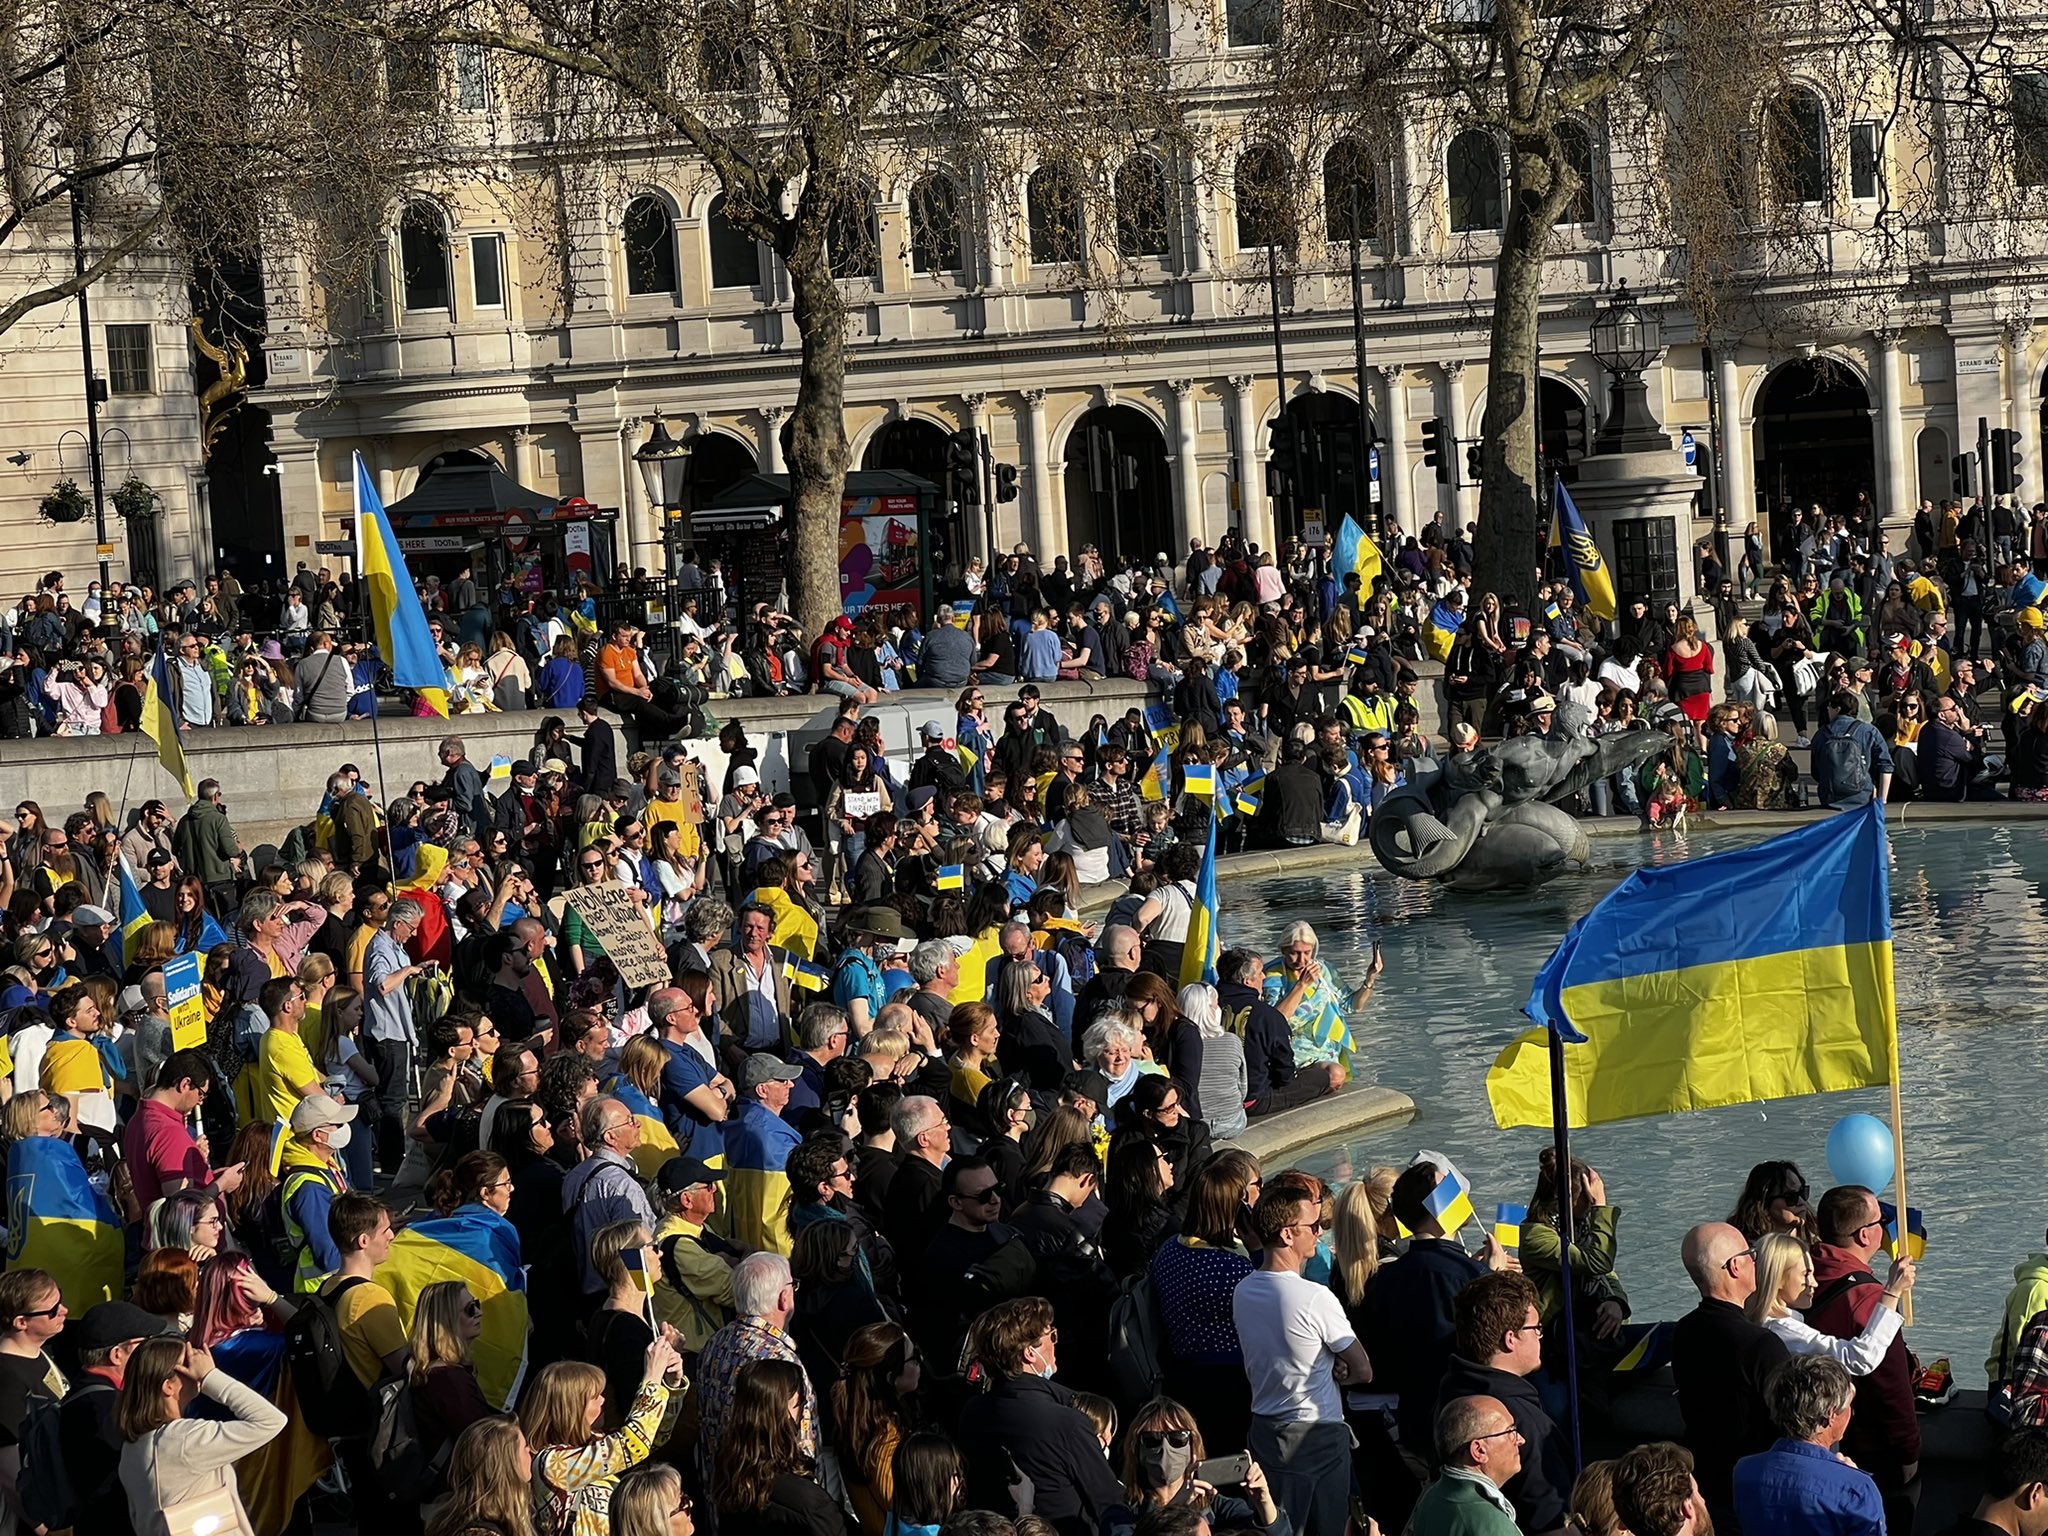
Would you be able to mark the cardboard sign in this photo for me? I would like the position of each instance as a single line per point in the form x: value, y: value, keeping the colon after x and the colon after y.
x: 188, y: 1014
x: 608, y: 911
x: 858, y: 807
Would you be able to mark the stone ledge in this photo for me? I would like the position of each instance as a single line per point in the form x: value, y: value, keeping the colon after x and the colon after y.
x: 1352, y: 1110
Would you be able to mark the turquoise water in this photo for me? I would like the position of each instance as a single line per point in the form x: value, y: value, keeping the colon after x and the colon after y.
x: 1970, y: 909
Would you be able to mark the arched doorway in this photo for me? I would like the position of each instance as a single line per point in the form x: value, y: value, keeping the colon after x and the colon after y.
x: 1814, y: 443
x: 915, y: 447
x: 1119, y: 494
x: 718, y: 462
x: 1330, y: 467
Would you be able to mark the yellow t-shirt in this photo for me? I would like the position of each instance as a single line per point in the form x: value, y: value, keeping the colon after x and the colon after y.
x: 370, y: 1327
x: 359, y: 946
x: 684, y: 814
x: 282, y: 1064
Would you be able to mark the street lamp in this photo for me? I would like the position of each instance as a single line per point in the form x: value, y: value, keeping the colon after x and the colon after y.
x: 664, y: 467
x: 1627, y: 338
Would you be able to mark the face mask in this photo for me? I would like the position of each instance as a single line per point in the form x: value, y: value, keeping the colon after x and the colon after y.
x: 337, y: 1138
x: 1163, y: 1464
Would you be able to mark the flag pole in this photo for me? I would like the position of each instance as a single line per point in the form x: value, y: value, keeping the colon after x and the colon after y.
x: 1884, y: 838
x: 1560, y: 1126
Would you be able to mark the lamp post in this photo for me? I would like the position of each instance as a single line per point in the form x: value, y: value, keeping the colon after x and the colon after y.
x: 94, y: 387
x: 1626, y: 338
x: 665, y: 470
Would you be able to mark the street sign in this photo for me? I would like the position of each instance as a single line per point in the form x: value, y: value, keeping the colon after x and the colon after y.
x: 1691, y: 449
x: 1977, y: 365
x: 104, y: 551
x: 1312, y: 531
x: 1372, y: 475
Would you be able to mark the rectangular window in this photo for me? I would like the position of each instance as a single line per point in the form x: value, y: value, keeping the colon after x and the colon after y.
x: 128, y: 363
x: 1866, y: 161
x: 2030, y: 130
x: 409, y: 77
x: 1646, y: 558
x: 472, y: 78
x: 487, y: 270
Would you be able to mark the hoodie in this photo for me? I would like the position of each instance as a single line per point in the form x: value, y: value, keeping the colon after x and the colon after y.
x: 1884, y: 1427
x: 1540, y: 1491
x: 2028, y: 1296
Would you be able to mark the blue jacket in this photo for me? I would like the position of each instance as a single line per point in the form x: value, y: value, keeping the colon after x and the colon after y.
x: 1797, y: 1489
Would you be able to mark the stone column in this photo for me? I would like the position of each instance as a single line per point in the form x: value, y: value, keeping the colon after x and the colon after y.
x: 771, y: 439
x: 1394, y: 487
x: 1457, y: 504
x: 1894, y: 455
x: 1254, y: 511
x: 642, y: 537
x: 525, y: 455
x: 1736, y: 462
x: 387, y: 469
x: 1186, y: 464
x: 2018, y: 411
x: 974, y: 519
x: 1047, y: 523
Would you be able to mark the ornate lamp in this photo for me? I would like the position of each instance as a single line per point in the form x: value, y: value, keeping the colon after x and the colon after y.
x: 664, y: 466
x: 1626, y: 339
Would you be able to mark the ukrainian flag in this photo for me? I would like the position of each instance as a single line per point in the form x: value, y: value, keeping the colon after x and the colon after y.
x: 1450, y: 1203
x: 1199, y: 779
x: 134, y: 918
x: 1156, y: 777
x: 56, y: 1221
x: 1199, y: 951
x: 273, y: 1478
x: 1916, y: 1229
x: 657, y: 1144
x: 1761, y: 973
x: 950, y: 877
x: 1356, y: 553
x: 1251, y: 793
x: 1582, y: 556
x: 1507, y: 1226
x: 801, y: 973
x: 398, y: 623
x: 501, y: 771
x: 1442, y: 628
x: 481, y: 1249
x: 160, y: 722
x: 795, y: 929
x: 1645, y: 1346
x: 757, y: 1148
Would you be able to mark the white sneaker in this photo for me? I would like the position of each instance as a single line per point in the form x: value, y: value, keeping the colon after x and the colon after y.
x: 1803, y: 742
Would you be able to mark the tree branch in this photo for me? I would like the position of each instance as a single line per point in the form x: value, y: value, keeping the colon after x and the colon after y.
x: 78, y: 282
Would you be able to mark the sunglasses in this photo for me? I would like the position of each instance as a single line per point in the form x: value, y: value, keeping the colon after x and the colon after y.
x: 472, y: 1308
x: 1178, y: 1439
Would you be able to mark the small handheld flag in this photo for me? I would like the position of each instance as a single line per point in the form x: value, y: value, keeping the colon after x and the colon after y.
x: 1251, y: 794
x: 1203, y: 944
x: 1357, y: 654
x: 1153, y: 785
x: 1507, y: 1226
x: 801, y: 973
x: 279, y: 1130
x: 951, y: 877
x: 1450, y: 1203
x: 1199, y: 779
x: 634, y: 1261
x: 1646, y: 1346
x: 1916, y: 1229
x: 501, y: 770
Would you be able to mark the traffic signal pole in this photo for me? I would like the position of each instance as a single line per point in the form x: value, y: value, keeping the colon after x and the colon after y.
x: 1280, y: 378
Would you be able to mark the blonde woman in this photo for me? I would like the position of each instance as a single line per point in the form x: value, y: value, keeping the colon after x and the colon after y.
x: 316, y: 979
x: 574, y: 1466
x: 650, y: 1501
x: 445, y: 1394
x: 490, y: 1478
x: 509, y: 676
x: 1784, y: 1283
x: 1362, y: 1235
x: 472, y: 692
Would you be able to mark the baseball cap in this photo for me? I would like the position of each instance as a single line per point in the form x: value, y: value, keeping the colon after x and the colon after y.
x: 319, y: 1112
x: 744, y: 776
x: 922, y: 796
x: 89, y: 916
x: 762, y: 1068
x: 668, y: 776
x: 679, y: 1173
x: 116, y: 1322
x: 936, y: 730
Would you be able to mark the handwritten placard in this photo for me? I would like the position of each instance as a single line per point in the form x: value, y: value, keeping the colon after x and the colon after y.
x: 609, y: 912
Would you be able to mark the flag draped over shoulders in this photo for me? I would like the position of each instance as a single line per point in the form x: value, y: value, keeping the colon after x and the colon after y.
x: 481, y: 1249
x: 57, y: 1221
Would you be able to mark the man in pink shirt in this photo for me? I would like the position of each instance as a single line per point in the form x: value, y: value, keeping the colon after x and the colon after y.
x: 163, y: 1154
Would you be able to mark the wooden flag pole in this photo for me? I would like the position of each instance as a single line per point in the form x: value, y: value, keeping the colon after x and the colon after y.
x: 1899, y: 1175
x: 1560, y: 1130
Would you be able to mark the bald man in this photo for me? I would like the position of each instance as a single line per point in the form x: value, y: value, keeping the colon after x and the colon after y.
x: 1117, y: 952
x: 1481, y: 1449
x: 1720, y: 1361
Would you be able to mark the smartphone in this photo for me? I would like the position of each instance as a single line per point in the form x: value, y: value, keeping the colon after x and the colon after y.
x: 1225, y: 1471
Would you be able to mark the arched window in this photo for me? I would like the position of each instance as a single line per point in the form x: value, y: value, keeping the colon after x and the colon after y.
x: 1799, y: 146
x: 650, y: 236
x: 1577, y: 139
x: 935, y: 243
x: 1351, y: 194
x: 1052, y: 209
x: 852, y: 245
x: 423, y: 256
x: 1252, y: 23
x: 1472, y: 173
x: 735, y: 259
x: 1141, y: 202
x: 1264, y: 216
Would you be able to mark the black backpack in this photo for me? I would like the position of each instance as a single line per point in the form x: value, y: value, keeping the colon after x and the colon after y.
x: 48, y: 1496
x: 402, y: 1466
x: 332, y: 1398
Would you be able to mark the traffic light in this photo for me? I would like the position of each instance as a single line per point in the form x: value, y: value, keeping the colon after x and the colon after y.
x: 1006, y: 482
x: 963, y: 463
x: 1572, y: 431
x: 1280, y: 458
x: 2005, y: 460
x: 1438, y: 449
x: 1962, y: 474
x: 1475, y: 464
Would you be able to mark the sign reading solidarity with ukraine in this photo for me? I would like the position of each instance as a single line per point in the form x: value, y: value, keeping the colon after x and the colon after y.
x: 188, y: 1013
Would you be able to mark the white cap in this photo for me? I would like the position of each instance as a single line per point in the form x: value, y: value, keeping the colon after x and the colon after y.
x: 744, y: 776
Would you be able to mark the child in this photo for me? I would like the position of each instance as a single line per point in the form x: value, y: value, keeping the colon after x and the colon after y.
x: 1227, y: 676
x: 1667, y: 796
x: 1100, y: 1413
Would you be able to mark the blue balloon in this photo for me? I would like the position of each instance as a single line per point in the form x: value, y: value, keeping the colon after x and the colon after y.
x: 1860, y: 1152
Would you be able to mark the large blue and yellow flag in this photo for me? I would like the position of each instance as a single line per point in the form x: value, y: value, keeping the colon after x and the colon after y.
x: 57, y: 1221
x: 657, y: 1143
x: 134, y: 918
x: 1582, y: 556
x: 481, y: 1249
x: 398, y: 623
x: 1199, y: 951
x: 160, y: 722
x: 1761, y: 973
x: 757, y: 1148
x: 1356, y: 553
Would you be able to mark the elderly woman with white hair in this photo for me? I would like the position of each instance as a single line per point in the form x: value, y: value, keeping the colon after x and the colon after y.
x: 1313, y: 1000
x: 1115, y: 1047
x: 1224, y: 1084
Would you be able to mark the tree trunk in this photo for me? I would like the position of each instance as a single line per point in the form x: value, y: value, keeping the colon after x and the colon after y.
x: 1506, y: 551
x: 818, y: 451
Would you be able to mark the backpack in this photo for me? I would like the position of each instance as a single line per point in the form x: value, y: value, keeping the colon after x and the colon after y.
x: 332, y: 1398
x: 403, y: 1468
x: 48, y: 1496
x: 1137, y: 1341
x: 1848, y: 767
